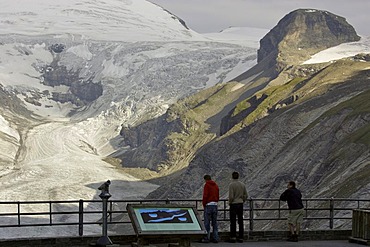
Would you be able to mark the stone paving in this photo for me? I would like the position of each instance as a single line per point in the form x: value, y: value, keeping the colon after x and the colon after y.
x: 328, y: 243
x: 331, y: 243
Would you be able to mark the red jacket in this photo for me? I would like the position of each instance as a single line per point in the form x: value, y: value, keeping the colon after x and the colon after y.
x: 210, y: 192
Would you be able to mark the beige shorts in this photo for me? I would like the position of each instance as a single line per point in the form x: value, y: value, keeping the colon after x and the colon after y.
x: 295, y: 216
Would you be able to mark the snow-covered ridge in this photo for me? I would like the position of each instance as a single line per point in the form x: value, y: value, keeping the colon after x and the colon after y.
x: 341, y: 51
x: 247, y: 36
x: 114, y: 20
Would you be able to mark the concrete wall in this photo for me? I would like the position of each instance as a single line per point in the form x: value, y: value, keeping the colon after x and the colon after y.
x: 127, y: 239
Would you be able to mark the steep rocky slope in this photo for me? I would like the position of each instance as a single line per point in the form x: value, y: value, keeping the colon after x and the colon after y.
x: 321, y: 140
x: 312, y: 126
x: 167, y: 144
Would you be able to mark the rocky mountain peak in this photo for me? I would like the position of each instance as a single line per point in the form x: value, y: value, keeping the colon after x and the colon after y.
x: 303, y: 32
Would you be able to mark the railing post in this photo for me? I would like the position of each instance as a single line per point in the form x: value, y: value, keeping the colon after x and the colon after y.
x: 110, y: 211
x: 80, y: 217
x: 305, y: 209
x: 331, y: 224
x: 251, y: 214
x: 225, y: 209
x: 50, y: 213
x: 19, y: 213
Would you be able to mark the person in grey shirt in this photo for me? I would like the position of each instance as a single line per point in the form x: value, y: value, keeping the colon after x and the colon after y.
x: 237, y: 196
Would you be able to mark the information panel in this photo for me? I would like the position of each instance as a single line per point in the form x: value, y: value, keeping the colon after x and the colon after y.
x: 165, y: 219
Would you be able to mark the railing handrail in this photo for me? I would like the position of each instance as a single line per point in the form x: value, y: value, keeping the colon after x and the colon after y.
x: 253, y: 208
x: 182, y: 200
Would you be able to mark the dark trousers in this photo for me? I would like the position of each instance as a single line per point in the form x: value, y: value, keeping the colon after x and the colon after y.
x: 236, y: 211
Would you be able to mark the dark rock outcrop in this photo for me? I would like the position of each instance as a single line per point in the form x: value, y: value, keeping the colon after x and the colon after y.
x: 167, y: 144
x: 87, y: 91
x: 57, y: 48
x: 81, y: 91
x: 303, y: 31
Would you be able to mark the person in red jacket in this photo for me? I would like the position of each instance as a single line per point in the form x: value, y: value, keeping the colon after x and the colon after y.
x: 210, y: 200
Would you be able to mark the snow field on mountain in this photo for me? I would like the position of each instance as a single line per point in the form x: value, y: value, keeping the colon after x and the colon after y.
x: 113, y: 20
x: 341, y: 51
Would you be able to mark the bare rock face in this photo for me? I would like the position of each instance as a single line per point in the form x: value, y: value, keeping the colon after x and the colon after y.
x: 321, y: 139
x: 81, y: 90
x: 304, y: 31
x: 311, y: 128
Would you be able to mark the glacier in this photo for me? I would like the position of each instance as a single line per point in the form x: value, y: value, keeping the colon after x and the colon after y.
x: 78, y: 70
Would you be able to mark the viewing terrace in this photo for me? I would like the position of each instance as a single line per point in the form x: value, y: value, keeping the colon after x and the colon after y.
x: 327, y: 222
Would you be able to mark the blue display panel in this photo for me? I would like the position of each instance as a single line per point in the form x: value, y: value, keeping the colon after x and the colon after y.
x: 169, y: 219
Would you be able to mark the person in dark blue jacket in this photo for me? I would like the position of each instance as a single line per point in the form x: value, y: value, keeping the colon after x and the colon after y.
x: 293, y: 197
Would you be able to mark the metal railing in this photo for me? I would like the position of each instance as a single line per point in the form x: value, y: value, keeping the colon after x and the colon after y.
x: 89, y: 212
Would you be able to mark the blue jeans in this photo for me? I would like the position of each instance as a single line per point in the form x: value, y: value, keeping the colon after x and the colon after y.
x: 210, y: 215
